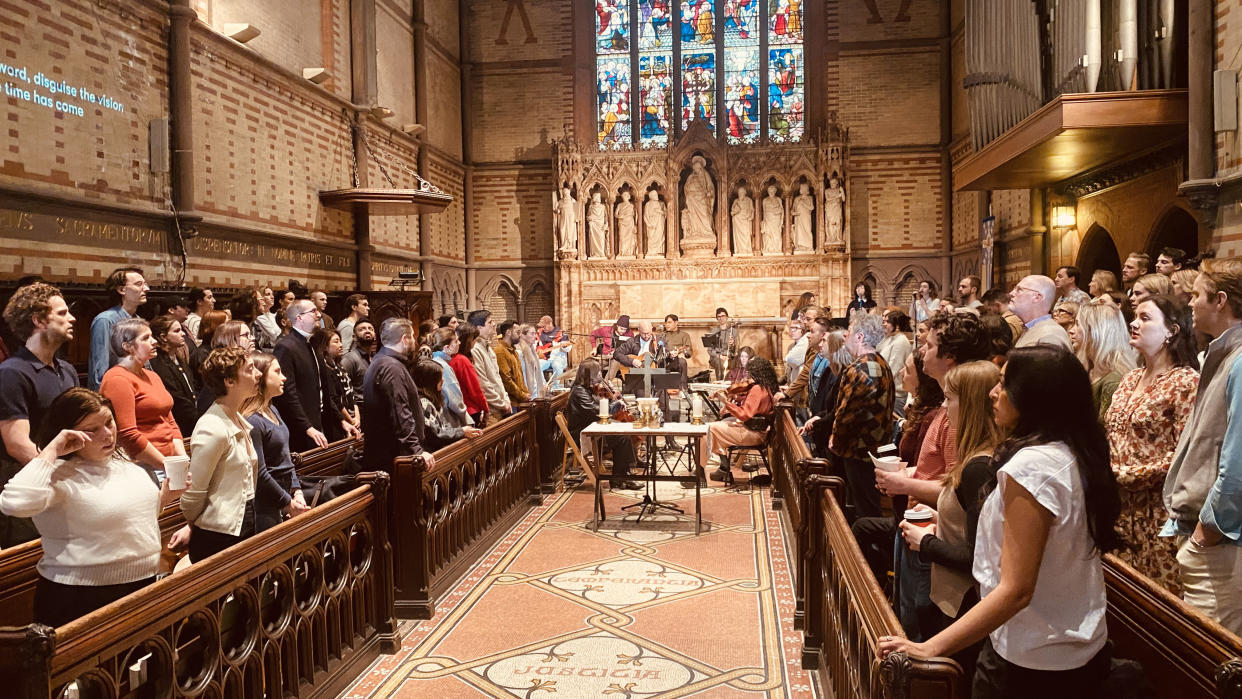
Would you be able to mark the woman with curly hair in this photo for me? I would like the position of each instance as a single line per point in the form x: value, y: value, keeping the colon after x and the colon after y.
x: 748, y: 418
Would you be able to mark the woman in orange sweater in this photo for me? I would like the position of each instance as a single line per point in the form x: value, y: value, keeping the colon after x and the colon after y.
x: 142, y: 404
x: 748, y: 418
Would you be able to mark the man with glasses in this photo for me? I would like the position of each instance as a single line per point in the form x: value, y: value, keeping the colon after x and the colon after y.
x: 1031, y: 300
x: 301, y: 405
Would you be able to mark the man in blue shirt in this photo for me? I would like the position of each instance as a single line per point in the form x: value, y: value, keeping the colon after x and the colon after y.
x: 29, y: 381
x: 128, y: 288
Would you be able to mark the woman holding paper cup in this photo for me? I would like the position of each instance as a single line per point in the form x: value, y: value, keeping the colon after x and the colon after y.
x: 219, y: 504
x: 1042, y: 530
x: 143, y: 406
x: 945, y: 537
x: 96, y: 510
x: 278, y: 493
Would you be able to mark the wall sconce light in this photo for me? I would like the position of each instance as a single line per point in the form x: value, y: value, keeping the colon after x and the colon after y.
x: 316, y: 75
x: 414, y: 130
x: 1063, y: 216
x: 381, y: 112
x: 241, y: 32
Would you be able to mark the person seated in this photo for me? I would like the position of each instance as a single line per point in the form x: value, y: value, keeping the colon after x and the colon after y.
x: 441, y: 426
x: 737, y: 372
x: 96, y: 510
x: 142, y: 405
x: 740, y: 427
x: 583, y: 409
x: 277, y: 493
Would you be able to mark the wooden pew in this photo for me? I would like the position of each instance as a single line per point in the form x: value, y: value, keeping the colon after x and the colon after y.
x: 551, y: 441
x: 790, y: 460
x: 298, y: 610
x: 445, y: 517
x: 1183, y: 653
x: 17, y: 564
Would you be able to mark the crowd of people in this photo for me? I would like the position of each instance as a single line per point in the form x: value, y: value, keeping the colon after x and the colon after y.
x: 209, y: 404
x: 1036, y: 430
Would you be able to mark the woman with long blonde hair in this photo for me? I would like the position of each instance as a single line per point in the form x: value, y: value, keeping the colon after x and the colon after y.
x: 949, y: 542
x: 1101, y: 341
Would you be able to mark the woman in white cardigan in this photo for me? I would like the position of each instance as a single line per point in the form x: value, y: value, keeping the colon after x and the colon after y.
x: 96, y: 510
x: 219, y: 504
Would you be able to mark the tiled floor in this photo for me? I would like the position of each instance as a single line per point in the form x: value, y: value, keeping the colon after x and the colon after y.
x: 637, y: 609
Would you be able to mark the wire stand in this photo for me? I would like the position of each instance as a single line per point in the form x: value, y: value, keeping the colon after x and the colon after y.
x: 649, y: 500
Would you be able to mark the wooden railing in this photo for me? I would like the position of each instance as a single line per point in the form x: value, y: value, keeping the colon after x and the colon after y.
x: 1183, y: 653
x: 844, y: 611
x: 443, y: 517
x: 551, y: 442
x: 791, y: 462
x: 17, y: 564
x: 298, y: 610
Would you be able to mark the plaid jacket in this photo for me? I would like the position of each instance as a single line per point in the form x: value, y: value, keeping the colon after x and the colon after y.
x: 864, y: 414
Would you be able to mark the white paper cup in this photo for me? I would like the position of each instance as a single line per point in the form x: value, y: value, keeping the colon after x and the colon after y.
x: 920, y: 518
x: 176, y: 468
x: 887, y: 463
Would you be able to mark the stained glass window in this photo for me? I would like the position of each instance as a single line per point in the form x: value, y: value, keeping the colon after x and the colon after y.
x: 738, y: 67
x: 698, y: 89
x: 656, y: 79
x: 655, y: 25
x: 786, y: 114
x: 784, y: 22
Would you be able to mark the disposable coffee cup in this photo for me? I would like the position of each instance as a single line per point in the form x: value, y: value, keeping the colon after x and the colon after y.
x: 176, y: 468
x: 887, y: 463
x: 919, y: 518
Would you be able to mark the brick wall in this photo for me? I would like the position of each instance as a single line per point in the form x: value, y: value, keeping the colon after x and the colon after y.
x: 896, y: 203
x: 890, y: 97
x: 394, y: 39
x: 111, y: 49
x: 511, y: 214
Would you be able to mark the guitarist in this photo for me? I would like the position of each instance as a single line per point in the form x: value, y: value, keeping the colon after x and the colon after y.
x: 553, y: 348
x: 643, y: 350
x: 678, y: 344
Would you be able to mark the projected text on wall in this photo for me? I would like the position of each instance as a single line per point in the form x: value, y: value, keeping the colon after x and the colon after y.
x: 56, y: 95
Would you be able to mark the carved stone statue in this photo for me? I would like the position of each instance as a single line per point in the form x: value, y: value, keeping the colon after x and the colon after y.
x: 700, y: 195
x: 565, y: 211
x: 834, y: 213
x: 803, y: 210
x: 654, y: 215
x: 597, y: 227
x: 627, y: 227
x: 743, y: 213
x: 773, y: 223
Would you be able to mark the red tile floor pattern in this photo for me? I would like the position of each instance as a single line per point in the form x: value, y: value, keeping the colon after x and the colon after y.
x: 638, y: 609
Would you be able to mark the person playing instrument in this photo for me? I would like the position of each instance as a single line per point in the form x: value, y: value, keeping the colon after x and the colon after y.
x: 642, y: 350
x: 726, y: 343
x: 553, y: 348
x: 749, y: 417
x: 677, y: 342
x: 582, y: 410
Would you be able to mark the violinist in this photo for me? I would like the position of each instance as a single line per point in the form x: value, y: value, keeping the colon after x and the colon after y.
x: 748, y: 420
x: 583, y: 409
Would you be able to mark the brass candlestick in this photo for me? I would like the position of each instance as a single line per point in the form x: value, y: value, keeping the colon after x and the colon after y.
x: 696, y: 419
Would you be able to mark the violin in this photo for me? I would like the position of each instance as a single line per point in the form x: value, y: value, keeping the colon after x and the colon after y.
x: 619, y: 412
x: 736, y: 392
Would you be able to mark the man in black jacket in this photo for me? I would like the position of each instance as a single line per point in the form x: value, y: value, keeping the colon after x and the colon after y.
x: 301, y: 405
x: 393, y: 417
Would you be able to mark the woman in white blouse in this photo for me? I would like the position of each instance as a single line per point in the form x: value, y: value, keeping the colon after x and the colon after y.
x: 219, y: 505
x: 96, y: 510
x: 1041, y: 533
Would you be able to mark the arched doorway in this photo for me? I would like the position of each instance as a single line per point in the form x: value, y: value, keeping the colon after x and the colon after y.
x: 1176, y: 229
x: 1097, y: 251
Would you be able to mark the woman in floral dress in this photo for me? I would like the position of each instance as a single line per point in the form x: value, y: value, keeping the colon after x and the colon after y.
x: 1147, y: 415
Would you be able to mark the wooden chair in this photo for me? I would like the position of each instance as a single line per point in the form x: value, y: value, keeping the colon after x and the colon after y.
x: 571, y: 449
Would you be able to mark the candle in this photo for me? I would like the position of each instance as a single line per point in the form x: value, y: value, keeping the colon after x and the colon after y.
x: 696, y: 407
x: 603, y: 407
